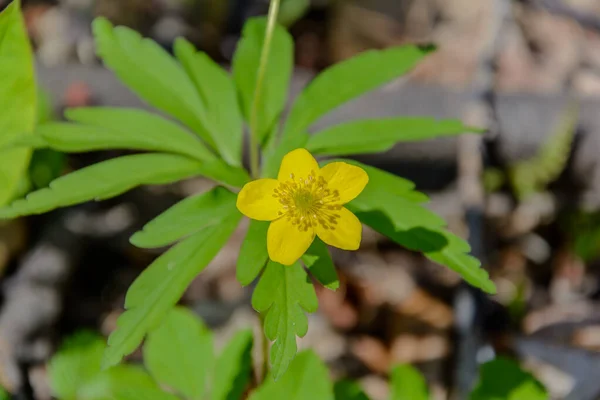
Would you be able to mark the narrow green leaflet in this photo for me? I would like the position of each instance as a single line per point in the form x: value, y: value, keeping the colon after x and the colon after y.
x: 279, y: 69
x: 162, y: 284
x: 307, y: 378
x: 348, y: 390
x: 234, y: 368
x: 76, y: 363
x: 377, y: 135
x: 186, y: 217
x: 133, y: 128
x: 218, y: 93
x: 104, y: 180
x: 179, y: 353
x: 148, y: 70
x: 253, y: 253
x: 319, y: 263
x: 283, y: 294
x: 291, y: 11
x: 407, y: 384
x: 390, y: 206
x: 17, y: 97
x: 503, y: 379
x: 123, y: 382
x: 349, y: 79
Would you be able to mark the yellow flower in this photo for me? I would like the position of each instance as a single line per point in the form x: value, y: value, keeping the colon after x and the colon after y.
x: 305, y: 201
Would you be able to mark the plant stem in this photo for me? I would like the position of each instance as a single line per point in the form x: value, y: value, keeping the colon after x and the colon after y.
x: 261, y: 74
x: 265, y: 352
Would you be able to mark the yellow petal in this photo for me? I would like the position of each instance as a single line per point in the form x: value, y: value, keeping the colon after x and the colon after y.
x: 256, y: 200
x: 348, y: 180
x: 286, y: 243
x: 297, y: 163
x: 345, y: 234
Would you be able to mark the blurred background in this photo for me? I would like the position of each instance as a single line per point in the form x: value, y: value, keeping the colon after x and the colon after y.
x: 526, y: 194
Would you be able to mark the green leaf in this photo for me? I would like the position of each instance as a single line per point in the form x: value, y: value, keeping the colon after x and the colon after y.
x: 307, y: 378
x: 408, y: 384
x: 503, y: 379
x: 533, y: 175
x: 75, y: 364
x: 122, y: 128
x: 234, y: 367
x: 292, y: 10
x: 4, y: 395
x: 283, y: 294
x: 186, y: 217
x: 45, y: 108
x: 179, y: 353
x: 123, y: 382
x: 104, y: 180
x: 389, y: 205
x: 348, y: 390
x: 319, y: 263
x: 148, y: 70
x: 349, y: 79
x: 377, y: 135
x: 218, y: 93
x: 253, y: 253
x: 17, y: 98
x: 161, y: 285
x: 279, y: 69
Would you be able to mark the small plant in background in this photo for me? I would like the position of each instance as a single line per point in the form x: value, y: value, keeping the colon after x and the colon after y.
x: 209, y: 111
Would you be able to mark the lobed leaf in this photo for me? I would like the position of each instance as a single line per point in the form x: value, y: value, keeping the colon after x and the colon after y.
x: 377, y: 135
x: 307, y: 378
x: 75, y: 364
x: 407, y: 383
x: 234, y: 368
x: 347, y: 80
x: 282, y: 295
x: 179, y: 353
x: 161, y: 285
x: 122, y: 128
x: 246, y: 63
x: 318, y: 261
x: 104, y: 180
x: 389, y: 205
x: 223, y: 118
x: 148, y: 70
x: 515, y: 383
x: 186, y: 217
x: 17, y: 97
x: 253, y: 253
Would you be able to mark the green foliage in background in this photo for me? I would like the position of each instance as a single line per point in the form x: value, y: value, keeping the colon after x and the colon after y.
x: 180, y: 362
x: 207, y: 110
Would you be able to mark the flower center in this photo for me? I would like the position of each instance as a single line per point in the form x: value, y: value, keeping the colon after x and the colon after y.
x: 308, y: 202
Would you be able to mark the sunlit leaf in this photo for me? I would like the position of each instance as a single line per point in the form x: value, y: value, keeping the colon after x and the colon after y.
x: 283, y: 294
x: 347, y: 80
x: 377, y: 135
x: 233, y: 369
x: 307, y: 378
x: 503, y: 379
x: 161, y: 285
x: 122, y: 128
x: 155, y: 76
x: 407, y: 383
x: 279, y: 69
x: 76, y: 363
x: 179, y: 353
x: 104, y: 180
x: 17, y: 98
x: 319, y: 263
x: 223, y: 118
x: 186, y: 217
x: 253, y: 253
